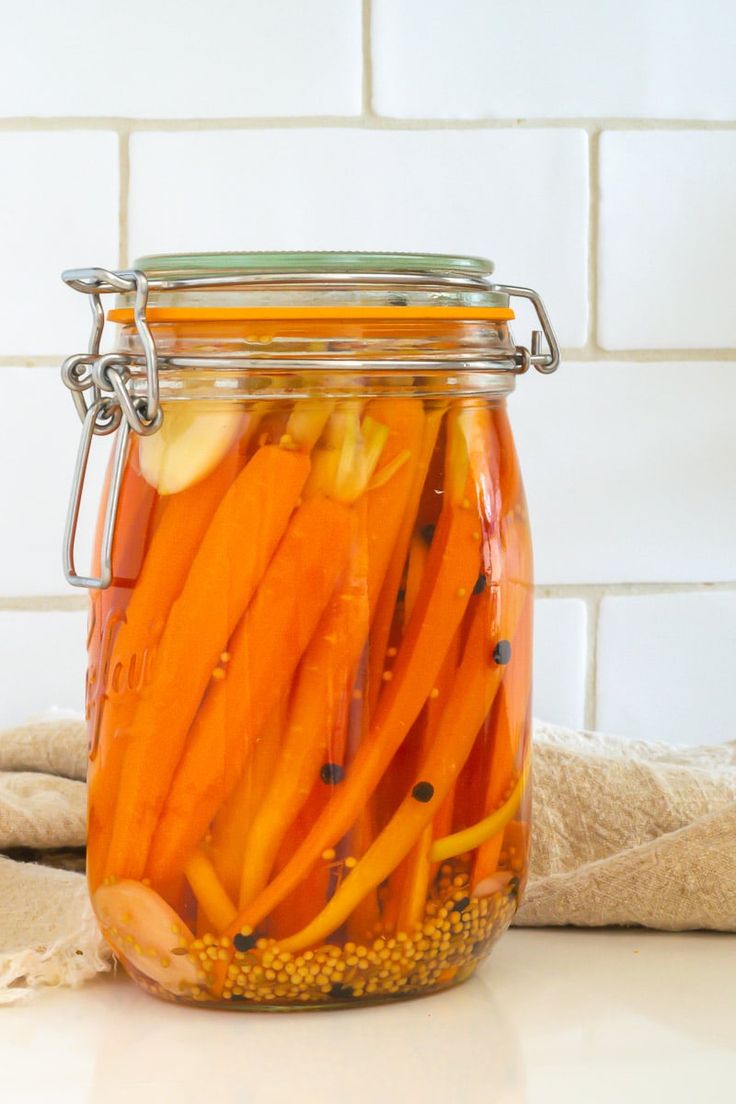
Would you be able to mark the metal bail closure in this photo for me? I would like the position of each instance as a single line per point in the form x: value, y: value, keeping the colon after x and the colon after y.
x: 115, y: 410
x: 544, y: 362
x: 103, y: 417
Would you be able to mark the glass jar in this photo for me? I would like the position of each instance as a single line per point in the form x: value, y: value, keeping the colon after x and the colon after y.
x: 310, y: 638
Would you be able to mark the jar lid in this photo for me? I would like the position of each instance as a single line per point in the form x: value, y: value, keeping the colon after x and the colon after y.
x: 327, y: 261
x: 312, y: 285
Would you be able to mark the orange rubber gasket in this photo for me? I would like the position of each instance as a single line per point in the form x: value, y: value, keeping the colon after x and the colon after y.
x: 238, y: 314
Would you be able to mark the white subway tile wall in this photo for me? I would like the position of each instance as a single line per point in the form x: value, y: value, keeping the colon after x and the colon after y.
x: 475, y: 59
x: 589, y: 149
x: 651, y: 650
x: 667, y: 263
x: 408, y: 190
x: 174, y: 60
x: 58, y: 209
x: 42, y: 662
x: 630, y: 471
x: 40, y: 432
x: 560, y: 660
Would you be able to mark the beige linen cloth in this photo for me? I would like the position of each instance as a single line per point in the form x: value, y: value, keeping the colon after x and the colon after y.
x: 624, y: 833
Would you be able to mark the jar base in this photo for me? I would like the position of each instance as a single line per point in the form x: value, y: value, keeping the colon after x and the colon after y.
x: 362, y: 987
x: 329, y: 1005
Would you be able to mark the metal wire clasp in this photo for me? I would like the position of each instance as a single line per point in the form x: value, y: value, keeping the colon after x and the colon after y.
x: 545, y: 362
x: 111, y: 405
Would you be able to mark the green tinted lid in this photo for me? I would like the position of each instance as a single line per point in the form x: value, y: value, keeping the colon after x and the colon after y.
x: 200, y: 263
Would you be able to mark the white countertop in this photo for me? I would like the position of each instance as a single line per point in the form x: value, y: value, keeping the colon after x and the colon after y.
x: 553, y: 1016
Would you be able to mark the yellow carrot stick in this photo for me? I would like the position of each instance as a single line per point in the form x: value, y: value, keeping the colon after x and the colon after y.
x: 415, y: 882
x: 232, y: 823
x: 477, y: 834
x: 209, y: 890
x: 223, y: 577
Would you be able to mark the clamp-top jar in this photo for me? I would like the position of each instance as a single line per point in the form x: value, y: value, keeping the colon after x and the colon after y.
x: 310, y: 636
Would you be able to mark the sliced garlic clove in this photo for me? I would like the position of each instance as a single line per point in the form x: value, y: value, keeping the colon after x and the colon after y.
x: 146, y: 932
x: 188, y: 446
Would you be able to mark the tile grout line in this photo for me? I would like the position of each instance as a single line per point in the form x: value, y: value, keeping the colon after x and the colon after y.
x: 367, y: 59
x: 586, y: 592
x: 123, y: 196
x: 47, y: 603
x: 645, y: 356
x: 593, y: 228
x: 577, y: 354
x: 593, y: 608
x: 368, y: 120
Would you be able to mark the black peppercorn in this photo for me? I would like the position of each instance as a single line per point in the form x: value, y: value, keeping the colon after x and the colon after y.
x: 244, y: 942
x: 423, y: 791
x: 343, y: 991
x: 331, y: 773
x: 502, y: 653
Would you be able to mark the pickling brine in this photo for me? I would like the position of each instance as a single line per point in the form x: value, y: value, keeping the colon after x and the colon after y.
x: 309, y: 687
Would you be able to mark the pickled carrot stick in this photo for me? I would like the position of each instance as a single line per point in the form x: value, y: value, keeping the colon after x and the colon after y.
x: 381, y: 628
x: 511, y: 714
x: 211, y: 895
x: 452, y: 569
x: 417, y: 867
x: 512, y: 491
x: 327, y: 671
x: 415, y: 882
x: 489, y: 828
x: 299, y: 906
x: 231, y: 825
x: 184, y: 520
x: 479, y: 677
x: 227, y: 568
x: 471, y: 452
x: 318, y: 712
x: 418, y: 553
x: 263, y: 654
x: 367, y: 915
x: 135, y: 509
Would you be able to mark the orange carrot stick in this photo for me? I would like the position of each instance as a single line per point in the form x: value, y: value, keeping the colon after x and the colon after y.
x: 299, y: 906
x: 451, y: 572
x: 510, y: 715
x: 381, y: 628
x: 263, y: 654
x: 223, y: 577
x: 417, y: 870
x: 328, y: 668
x: 478, y: 679
x: 415, y: 569
x: 184, y: 520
